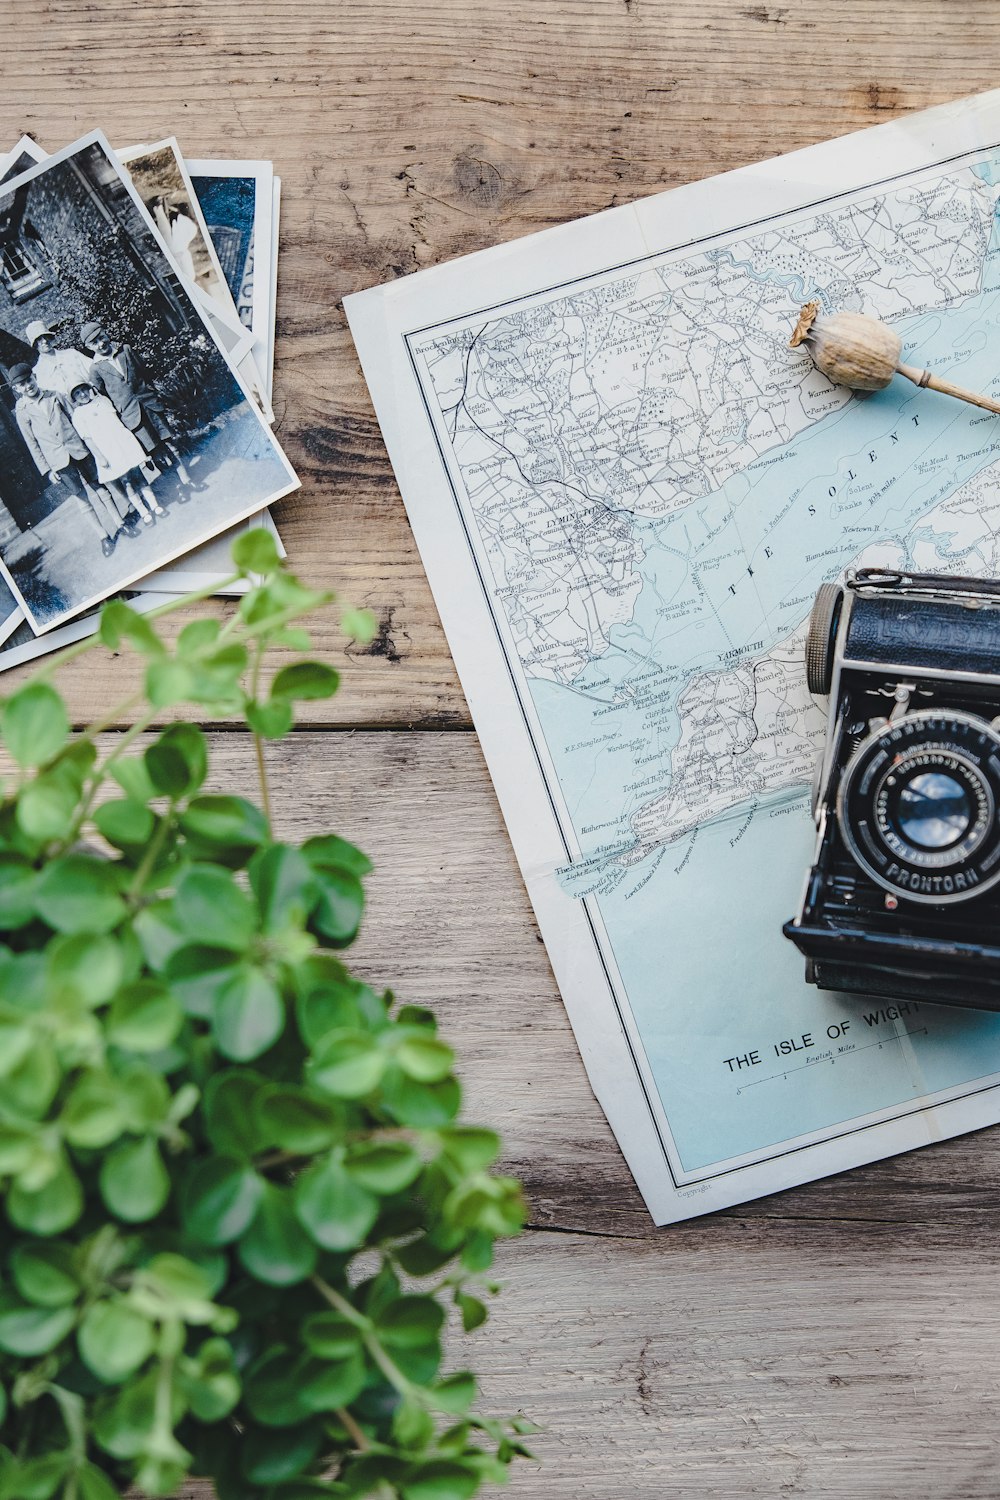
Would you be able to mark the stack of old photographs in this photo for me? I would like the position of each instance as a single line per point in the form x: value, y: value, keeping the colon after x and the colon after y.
x: 137, y: 306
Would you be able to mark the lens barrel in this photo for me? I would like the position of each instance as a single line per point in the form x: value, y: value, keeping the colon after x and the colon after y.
x: 917, y: 806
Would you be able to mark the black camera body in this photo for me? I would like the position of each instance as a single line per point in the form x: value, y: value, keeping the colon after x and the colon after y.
x: 903, y: 897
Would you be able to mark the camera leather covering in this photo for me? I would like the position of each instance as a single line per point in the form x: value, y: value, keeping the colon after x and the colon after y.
x: 921, y: 651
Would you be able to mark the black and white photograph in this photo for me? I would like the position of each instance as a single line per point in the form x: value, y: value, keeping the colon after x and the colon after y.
x: 126, y: 438
x: 160, y: 179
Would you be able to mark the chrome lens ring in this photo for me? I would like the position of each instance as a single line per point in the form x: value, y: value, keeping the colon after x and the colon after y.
x: 917, y: 806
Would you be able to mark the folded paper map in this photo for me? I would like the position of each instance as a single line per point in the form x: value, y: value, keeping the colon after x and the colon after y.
x: 626, y: 489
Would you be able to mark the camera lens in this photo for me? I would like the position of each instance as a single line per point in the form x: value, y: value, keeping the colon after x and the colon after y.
x: 933, y: 810
x: 917, y: 805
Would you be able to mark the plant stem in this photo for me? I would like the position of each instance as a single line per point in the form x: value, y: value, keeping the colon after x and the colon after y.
x: 388, y: 1366
x: 358, y: 1437
x: 152, y: 851
x: 258, y: 741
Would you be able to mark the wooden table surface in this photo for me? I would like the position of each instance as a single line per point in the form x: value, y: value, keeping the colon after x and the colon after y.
x: 839, y: 1340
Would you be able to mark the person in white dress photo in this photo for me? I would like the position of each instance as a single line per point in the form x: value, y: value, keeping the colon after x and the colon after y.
x: 119, y: 455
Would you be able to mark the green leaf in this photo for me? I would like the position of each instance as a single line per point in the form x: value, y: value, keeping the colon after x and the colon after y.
x: 272, y: 719
x: 44, y: 1272
x: 78, y: 893
x: 274, y: 1249
x: 134, y: 1182
x: 454, y: 1394
x: 17, y: 1146
x: 114, y: 1340
x: 177, y: 762
x: 34, y: 724
x: 231, y: 1112
x: 347, y: 1064
x: 268, y: 1457
x: 328, y: 852
x: 198, y: 636
x: 412, y: 1426
x: 198, y: 975
x: 124, y: 1424
x: 168, y: 682
x: 425, y: 1058
x: 36, y: 1478
x: 46, y: 806
x: 285, y: 886
x: 210, y: 1381
x: 420, y: 1105
x: 212, y: 909
x: 52, y: 1208
x: 294, y: 1119
x: 228, y: 825
x: 327, y: 1384
x: 220, y: 1200
x: 337, y: 1212
x: 144, y: 1017
x: 92, y: 967
x: 17, y: 892
x: 249, y: 1015
x: 256, y: 551
x: 271, y: 1397
x: 119, y: 622
x: 383, y: 1167
x: 337, y: 915
x: 410, y: 1322
x: 125, y: 824
x: 93, y: 1115
x: 131, y: 775
x: 327, y: 1006
x: 177, y: 1287
x: 30, y: 1087
x: 360, y: 624
x: 305, y: 679
x: 157, y: 934
x: 474, y: 1313
x: 145, y: 1098
x: 16, y: 1042
x: 28, y: 1331
x: 329, y: 1336
x: 93, y: 1484
x: 441, y: 1479
x: 470, y: 1147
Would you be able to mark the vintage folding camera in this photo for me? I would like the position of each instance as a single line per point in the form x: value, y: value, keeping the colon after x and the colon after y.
x: 903, y: 898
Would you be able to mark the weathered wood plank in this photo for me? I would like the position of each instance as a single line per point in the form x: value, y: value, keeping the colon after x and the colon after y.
x: 826, y: 1367
x: 405, y: 136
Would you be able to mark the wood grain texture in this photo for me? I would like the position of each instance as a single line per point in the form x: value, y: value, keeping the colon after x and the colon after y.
x: 835, y: 1341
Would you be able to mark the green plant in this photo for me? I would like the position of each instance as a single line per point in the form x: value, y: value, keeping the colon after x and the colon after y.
x: 239, y: 1199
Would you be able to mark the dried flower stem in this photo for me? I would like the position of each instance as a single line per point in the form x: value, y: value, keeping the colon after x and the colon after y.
x: 863, y: 354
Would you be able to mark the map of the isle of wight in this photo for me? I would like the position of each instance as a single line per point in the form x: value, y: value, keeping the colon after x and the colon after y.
x: 652, y: 486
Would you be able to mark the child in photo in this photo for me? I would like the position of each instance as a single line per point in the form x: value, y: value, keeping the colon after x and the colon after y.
x: 60, y: 454
x: 117, y: 373
x: 118, y: 454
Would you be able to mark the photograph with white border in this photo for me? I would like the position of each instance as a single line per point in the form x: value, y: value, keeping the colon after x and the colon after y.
x: 238, y: 201
x: 126, y: 438
x: 210, y: 563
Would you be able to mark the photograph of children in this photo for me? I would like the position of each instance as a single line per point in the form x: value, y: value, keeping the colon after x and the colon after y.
x: 126, y: 438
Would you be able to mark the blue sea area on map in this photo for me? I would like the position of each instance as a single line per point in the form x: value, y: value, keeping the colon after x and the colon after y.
x: 696, y: 925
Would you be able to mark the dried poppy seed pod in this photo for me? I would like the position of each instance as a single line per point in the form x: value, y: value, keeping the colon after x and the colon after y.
x: 863, y: 354
x: 848, y: 348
